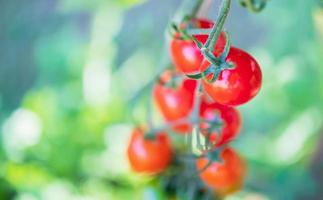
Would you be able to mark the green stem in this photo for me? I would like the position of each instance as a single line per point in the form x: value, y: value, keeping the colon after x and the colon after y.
x: 217, y: 28
x: 188, y: 8
x: 196, y: 107
x: 196, y: 8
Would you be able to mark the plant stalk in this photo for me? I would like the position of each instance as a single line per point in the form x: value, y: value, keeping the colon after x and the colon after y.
x: 217, y: 27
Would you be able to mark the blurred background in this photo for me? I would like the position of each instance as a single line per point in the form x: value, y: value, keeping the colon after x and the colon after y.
x: 71, y: 70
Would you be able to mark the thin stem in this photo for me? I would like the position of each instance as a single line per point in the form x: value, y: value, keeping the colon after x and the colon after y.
x: 217, y: 27
x: 188, y: 8
x: 197, y: 7
x: 204, y: 9
x: 189, y: 141
x: 196, y: 107
x: 195, y: 115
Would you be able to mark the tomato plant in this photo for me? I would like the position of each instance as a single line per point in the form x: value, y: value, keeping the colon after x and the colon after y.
x: 224, y: 176
x: 229, y: 118
x: 197, y: 98
x: 237, y: 85
x: 149, y: 155
x: 174, y: 96
x: 186, y: 56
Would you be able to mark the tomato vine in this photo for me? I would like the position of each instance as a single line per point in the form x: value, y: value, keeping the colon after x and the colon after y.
x: 196, y: 99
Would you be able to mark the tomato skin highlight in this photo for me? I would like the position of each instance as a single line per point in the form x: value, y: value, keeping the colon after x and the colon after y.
x: 186, y: 56
x: 230, y: 119
x: 224, y: 177
x: 238, y: 85
x: 175, y: 103
x: 150, y: 156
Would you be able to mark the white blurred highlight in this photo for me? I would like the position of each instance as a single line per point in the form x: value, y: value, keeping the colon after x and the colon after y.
x: 22, y: 129
x: 63, y: 191
x: 113, y: 159
x: 292, y: 140
x: 116, y: 140
x: 96, y: 83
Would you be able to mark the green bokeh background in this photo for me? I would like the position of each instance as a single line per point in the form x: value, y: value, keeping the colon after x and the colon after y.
x: 70, y: 68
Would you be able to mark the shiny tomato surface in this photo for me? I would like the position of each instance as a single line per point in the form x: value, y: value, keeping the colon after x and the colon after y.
x: 149, y: 156
x: 174, y: 97
x: 238, y: 85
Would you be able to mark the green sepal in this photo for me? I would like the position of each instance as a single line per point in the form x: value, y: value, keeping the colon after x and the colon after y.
x: 215, y: 155
x: 194, y: 76
x: 150, y: 136
x: 254, y: 5
x: 214, y: 70
x: 227, y: 65
x: 210, y: 57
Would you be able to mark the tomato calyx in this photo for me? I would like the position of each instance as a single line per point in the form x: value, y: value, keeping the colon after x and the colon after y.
x: 211, y: 128
x: 213, y: 125
x: 213, y: 155
x: 253, y: 6
x: 151, y: 135
x: 211, y: 73
x: 216, y: 64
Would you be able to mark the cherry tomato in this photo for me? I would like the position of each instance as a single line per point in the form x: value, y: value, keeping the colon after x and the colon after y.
x: 228, y: 116
x: 149, y: 156
x: 238, y: 85
x: 224, y: 177
x: 174, y: 97
x: 185, y: 55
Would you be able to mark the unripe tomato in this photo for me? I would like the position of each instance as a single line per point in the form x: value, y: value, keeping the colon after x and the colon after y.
x: 224, y: 177
x: 229, y: 117
x: 238, y: 85
x: 174, y: 97
x: 149, y: 156
x: 186, y: 56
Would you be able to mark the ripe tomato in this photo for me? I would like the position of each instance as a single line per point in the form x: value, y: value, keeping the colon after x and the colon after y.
x: 238, y: 85
x: 224, y: 177
x: 149, y: 155
x: 185, y: 55
x: 229, y: 117
x: 174, y: 97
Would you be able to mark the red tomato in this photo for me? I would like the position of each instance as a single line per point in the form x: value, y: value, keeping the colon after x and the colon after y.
x: 230, y: 119
x: 186, y: 56
x: 175, y: 101
x: 149, y: 155
x: 224, y: 177
x: 238, y: 85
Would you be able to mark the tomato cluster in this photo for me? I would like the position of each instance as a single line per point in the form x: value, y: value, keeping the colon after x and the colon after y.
x: 177, y: 97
